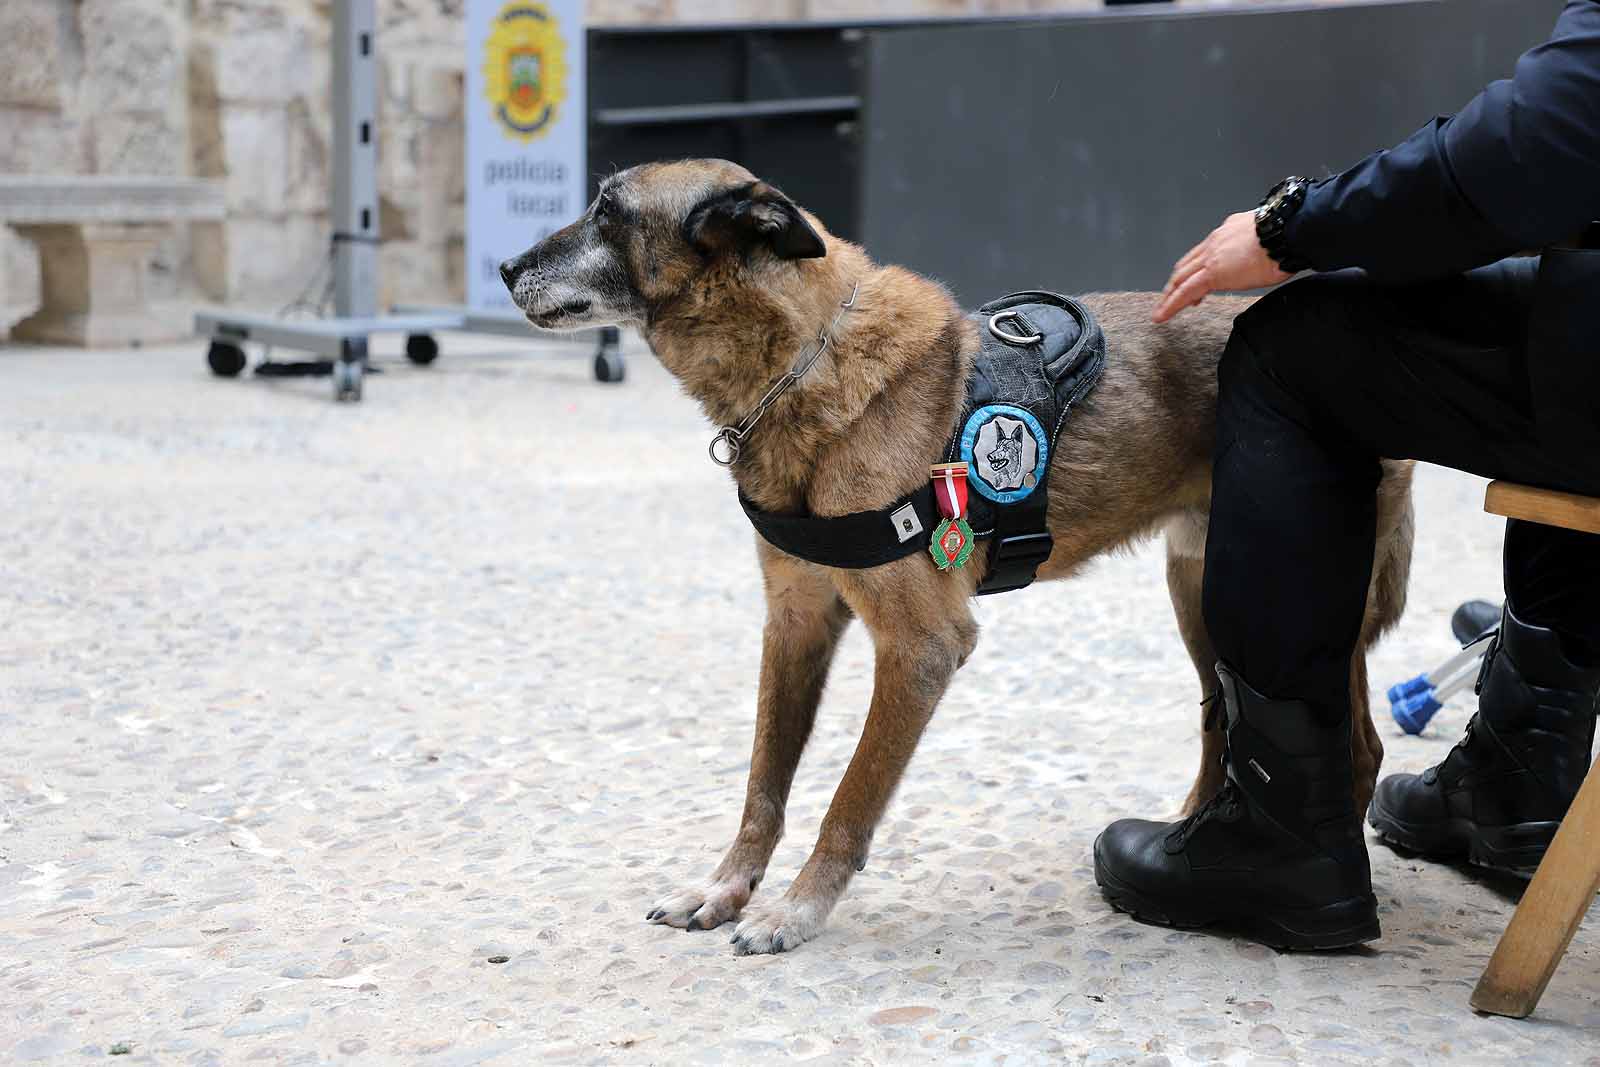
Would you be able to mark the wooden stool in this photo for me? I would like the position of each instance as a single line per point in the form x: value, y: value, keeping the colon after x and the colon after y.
x: 1568, y: 878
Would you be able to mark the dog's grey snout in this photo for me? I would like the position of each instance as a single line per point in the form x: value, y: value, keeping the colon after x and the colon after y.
x: 508, y: 273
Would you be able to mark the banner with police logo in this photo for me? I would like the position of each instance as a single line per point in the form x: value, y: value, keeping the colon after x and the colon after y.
x: 526, y: 172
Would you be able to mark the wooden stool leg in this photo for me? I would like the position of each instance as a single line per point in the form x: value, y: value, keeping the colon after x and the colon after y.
x: 1549, y: 914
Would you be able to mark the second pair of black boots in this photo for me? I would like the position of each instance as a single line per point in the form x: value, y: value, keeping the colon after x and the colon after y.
x: 1278, y: 855
x: 1497, y: 800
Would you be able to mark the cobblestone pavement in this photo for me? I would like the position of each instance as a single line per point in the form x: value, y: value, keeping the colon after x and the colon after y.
x: 312, y: 713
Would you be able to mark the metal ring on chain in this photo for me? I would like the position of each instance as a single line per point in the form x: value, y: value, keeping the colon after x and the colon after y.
x: 729, y: 438
x: 732, y: 437
x: 1011, y: 338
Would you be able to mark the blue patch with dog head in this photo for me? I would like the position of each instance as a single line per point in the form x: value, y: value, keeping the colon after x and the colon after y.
x: 1006, y: 451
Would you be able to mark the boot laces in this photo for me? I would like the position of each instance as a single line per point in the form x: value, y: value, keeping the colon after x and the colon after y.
x: 1224, y: 804
x: 1466, y: 739
x: 1431, y: 775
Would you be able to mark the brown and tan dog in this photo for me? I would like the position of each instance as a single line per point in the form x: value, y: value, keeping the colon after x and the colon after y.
x: 730, y: 282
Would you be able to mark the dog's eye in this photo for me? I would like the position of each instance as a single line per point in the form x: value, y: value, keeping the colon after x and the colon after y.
x: 602, y: 209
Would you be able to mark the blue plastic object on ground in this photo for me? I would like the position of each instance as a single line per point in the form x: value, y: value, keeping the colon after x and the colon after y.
x: 1413, y: 702
x: 1413, y: 712
x: 1401, y: 690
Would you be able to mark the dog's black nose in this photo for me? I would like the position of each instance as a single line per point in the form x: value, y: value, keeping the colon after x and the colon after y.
x: 508, y: 274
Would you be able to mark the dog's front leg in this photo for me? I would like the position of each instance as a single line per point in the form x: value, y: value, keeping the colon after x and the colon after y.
x: 919, y: 648
x: 805, y: 618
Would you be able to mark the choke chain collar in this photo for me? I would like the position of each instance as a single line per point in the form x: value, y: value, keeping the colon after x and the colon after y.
x: 731, y: 438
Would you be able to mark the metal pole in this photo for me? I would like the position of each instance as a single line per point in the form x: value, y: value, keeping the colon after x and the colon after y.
x: 355, y: 159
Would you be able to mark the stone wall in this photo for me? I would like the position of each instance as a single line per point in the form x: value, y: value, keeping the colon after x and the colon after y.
x: 238, y: 90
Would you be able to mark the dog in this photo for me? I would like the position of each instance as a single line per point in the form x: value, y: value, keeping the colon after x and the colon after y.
x: 730, y: 282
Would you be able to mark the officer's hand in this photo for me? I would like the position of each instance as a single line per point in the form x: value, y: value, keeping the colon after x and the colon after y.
x: 1231, y: 258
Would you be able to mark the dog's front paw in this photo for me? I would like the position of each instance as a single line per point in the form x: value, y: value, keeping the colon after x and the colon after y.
x: 702, y: 909
x: 777, y: 928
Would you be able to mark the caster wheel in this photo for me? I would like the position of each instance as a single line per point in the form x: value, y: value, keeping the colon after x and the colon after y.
x: 226, y: 360
x: 608, y: 366
x: 421, y: 349
x: 347, y: 376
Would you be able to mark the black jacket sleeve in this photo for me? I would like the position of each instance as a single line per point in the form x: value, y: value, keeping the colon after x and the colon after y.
x: 1517, y: 168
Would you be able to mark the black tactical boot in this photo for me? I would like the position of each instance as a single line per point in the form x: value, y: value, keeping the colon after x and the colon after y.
x: 1276, y: 856
x: 1499, y: 796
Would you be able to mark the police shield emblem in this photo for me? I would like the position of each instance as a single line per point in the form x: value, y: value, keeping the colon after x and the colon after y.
x: 524, y: 68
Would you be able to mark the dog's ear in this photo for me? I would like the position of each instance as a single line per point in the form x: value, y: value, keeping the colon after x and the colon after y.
x: 757, y: 213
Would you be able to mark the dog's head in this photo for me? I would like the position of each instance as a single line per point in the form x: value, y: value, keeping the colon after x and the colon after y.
x: 650, y: 233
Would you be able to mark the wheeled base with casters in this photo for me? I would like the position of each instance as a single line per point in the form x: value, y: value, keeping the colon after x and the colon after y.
x: 342, y: 344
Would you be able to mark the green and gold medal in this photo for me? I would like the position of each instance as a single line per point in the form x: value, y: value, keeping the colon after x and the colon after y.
x: 952, y: 538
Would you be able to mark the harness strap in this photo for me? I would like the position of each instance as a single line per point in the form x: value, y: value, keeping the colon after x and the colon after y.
x: 1022, y: 543
x: 859, y: 540
x: 856, y: 541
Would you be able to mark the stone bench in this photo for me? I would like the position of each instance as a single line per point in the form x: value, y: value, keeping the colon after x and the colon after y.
x: 96, y: 236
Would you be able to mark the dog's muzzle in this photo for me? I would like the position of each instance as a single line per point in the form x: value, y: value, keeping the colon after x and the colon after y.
x: 540, y: 313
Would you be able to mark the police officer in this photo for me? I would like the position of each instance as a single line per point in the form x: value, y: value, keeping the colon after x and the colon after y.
x: 1440, y: 349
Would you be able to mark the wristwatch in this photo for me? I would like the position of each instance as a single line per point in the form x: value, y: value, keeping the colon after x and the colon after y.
x: 1272, y: 218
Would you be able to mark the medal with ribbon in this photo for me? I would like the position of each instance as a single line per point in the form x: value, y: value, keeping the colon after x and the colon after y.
x: 952, y: 538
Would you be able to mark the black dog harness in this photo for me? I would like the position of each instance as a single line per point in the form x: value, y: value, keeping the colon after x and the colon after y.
x: 1041, y: 353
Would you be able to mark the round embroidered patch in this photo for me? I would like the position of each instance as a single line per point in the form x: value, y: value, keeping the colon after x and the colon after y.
x: 1006, y: 452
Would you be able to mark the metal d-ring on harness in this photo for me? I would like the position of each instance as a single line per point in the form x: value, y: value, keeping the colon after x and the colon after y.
x: 1008, y: 337
x: 732, y: 437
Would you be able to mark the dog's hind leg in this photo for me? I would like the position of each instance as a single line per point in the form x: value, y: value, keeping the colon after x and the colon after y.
x: 1386, y: 602
x: 1186, y: 567
x: 1366, y: 747
x: 922, y: 633
x: 805, y: 619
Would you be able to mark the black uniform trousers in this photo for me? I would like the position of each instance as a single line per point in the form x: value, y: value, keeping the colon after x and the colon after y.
x: 1322, y: 377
